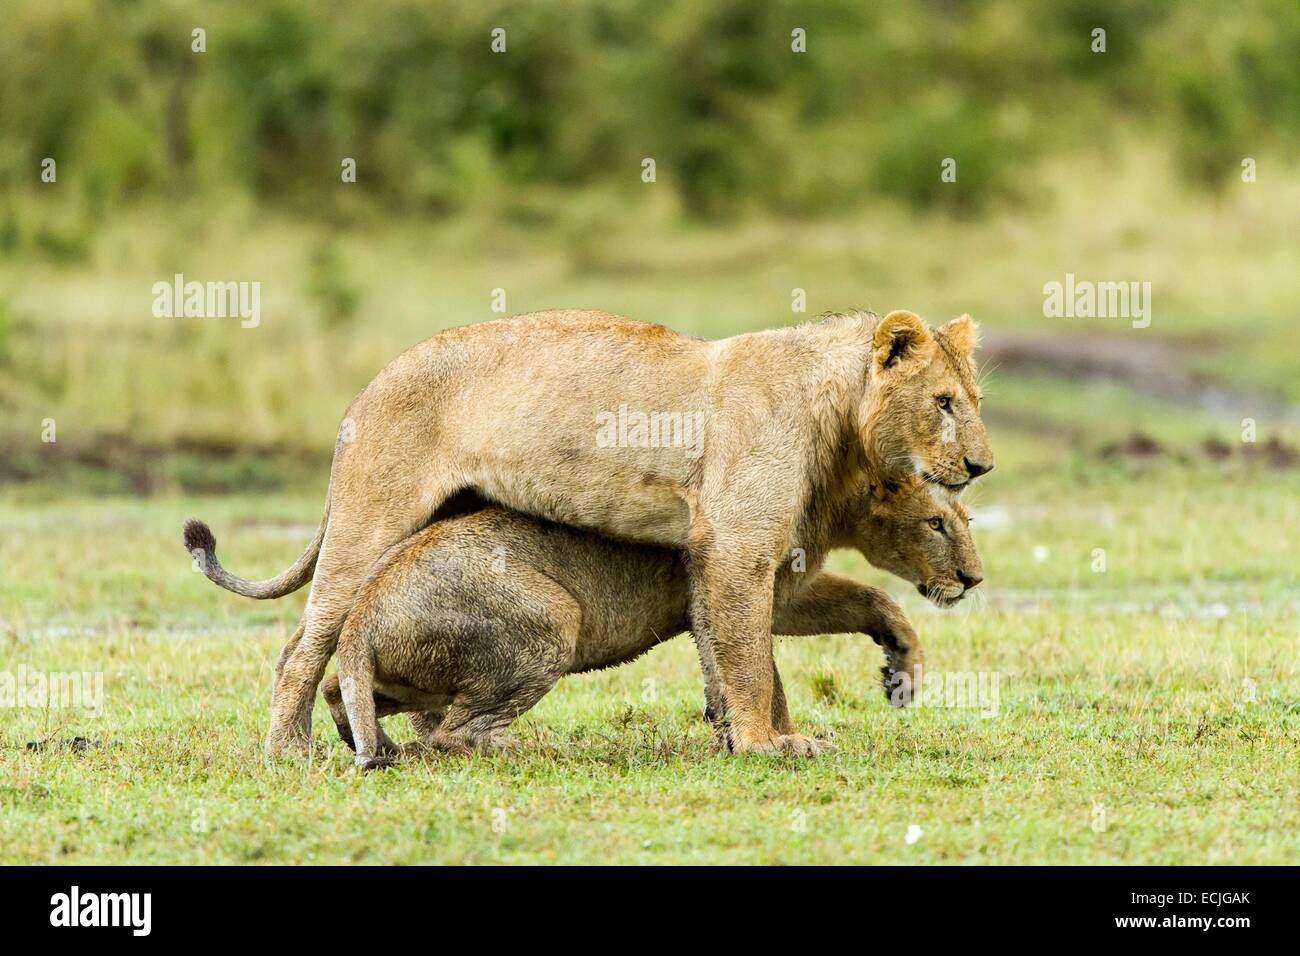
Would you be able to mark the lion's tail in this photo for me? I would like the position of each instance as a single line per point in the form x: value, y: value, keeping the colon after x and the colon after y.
x: 202, y: 545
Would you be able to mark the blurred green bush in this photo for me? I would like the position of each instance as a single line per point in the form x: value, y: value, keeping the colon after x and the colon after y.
x: 439, y: 124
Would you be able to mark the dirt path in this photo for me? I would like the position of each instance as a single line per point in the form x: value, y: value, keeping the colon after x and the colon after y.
x: 1149, y: 365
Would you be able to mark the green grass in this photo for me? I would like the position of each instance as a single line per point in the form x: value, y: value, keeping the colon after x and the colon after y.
x: 1162, y: 690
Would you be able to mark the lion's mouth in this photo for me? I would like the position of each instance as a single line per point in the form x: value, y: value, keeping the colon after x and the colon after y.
x: 942, y: 596
x: 954, y: 487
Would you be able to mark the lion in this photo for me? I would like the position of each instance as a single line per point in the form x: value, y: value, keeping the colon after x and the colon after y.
x: 519, y: 411
x: 470, y: 622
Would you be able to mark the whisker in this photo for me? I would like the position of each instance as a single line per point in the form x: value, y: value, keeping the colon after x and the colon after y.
x: 985, y: 375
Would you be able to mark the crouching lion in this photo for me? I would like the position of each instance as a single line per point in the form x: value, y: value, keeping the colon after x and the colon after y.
x: 546, y: 414
x: 470, y: 622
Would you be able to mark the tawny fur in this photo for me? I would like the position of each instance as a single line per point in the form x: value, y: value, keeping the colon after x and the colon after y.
x: 472, y: 620
x: 794, y: 418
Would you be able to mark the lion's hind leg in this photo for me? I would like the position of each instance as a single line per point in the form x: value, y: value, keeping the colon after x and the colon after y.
x: 361, y: 528
x: 387, y: 700
x: 524, y: 644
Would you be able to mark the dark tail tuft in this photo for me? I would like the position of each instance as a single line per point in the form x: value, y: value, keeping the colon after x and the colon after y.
x: 198, y: 536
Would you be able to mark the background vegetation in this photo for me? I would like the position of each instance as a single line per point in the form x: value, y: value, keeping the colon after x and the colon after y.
x: 442, y: 125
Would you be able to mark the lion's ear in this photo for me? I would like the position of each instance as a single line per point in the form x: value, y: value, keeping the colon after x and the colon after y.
x: 963, y: 333
x: 900, y: 339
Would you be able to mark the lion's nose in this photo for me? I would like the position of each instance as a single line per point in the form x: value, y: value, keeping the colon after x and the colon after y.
x: 977, y: 468
x: 968, y: 580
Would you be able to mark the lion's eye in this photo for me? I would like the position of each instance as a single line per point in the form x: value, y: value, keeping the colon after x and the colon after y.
x: 936, y: 524
x: 944, y: 401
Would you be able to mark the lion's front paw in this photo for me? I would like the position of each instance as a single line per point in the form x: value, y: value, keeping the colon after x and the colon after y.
x: 891, y: 681
x: 898, y: 679
x: 802, y: 746
x: 795, y: 744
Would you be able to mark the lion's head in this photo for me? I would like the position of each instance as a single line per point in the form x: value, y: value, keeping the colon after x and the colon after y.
x: 922, y: 412
x: 921, y: 536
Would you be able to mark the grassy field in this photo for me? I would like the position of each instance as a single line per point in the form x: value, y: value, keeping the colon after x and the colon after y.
x: 1141, y: 601
x: 1140, y: 607
x: 1145, y: 713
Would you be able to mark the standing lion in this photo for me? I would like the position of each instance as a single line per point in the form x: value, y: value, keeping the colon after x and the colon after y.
x: 519, y: 411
